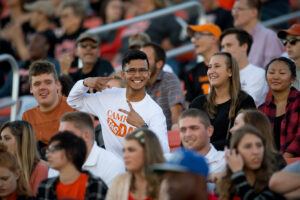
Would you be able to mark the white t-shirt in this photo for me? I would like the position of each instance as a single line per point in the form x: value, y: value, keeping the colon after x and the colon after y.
x: 253, y: 82
x: 106, y: 105
x: 100, y: 163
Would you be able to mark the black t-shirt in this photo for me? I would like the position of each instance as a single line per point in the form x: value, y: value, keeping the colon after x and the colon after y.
x: 277, y: 130
x: 221, y: 120
x: 196, y: 81
x: 101, y: 68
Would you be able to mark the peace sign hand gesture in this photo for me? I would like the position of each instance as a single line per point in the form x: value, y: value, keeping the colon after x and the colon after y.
x: 133, y: 117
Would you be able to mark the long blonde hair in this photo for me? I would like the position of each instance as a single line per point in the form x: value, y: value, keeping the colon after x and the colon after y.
x: 9, y: 161
x: 152, y: 153
x: 234, y: 87
x: 26, y: 150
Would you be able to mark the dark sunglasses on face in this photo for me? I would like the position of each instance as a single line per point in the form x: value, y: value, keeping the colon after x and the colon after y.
x: 291, y: 41
x: 92, y: 46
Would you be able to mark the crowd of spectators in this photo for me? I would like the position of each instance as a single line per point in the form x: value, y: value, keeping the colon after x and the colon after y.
x: 95, y: 110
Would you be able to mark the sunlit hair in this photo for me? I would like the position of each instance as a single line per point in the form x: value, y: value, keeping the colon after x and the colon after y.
x: 196, y: 113
x: 9, y: 161
x: 260, y: 121
x: 225, y: 186
x: 40, y: 67
x: 152, y: 154
x: 234, y: 87
x: 26, y: 150
x: 80, y: 120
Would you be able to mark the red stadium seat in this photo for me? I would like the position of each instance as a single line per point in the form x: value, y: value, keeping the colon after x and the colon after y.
x: 174, y: 139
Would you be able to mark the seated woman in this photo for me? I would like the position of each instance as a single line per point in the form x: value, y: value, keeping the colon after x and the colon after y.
x: 12, y: 186
x: 141, y: 149
x: 260, y: 121
x: 249, y: 167
x: 282, y: 106
x: 66, y: 153
x: 225, y: 98
x: 19, y: 138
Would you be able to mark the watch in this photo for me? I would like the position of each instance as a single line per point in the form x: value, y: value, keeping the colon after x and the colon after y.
x: 145, y: 125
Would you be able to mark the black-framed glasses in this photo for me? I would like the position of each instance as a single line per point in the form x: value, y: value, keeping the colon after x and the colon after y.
x: 198, y: 35
x: 132, y: 71
x: 52, y: 149
x: 291, y: 41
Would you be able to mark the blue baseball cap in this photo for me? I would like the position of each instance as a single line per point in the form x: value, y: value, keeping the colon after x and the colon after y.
x: 184, y: 160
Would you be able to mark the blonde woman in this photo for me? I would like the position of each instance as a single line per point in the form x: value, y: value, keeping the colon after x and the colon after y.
x: 225, y: 98
x: 19, y: 138
x: 12, y: 186
x: 141, y: 149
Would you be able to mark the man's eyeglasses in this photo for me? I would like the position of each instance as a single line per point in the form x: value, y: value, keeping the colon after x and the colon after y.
x: 291, y: 41
x: 52, y: 149
x: 198, y: 35
x: 92, y: 46
x: 132, y: 71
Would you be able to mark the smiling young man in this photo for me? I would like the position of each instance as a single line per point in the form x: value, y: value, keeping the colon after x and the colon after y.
x: 44, y: 86
x: 121, y: 110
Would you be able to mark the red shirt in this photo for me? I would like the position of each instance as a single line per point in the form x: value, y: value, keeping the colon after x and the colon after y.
x: 75, y: 190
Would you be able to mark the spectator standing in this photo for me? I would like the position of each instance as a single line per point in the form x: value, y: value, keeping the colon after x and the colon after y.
x: 19, y: 138
x: 266, y: 45
x: 163, y: 87
x: 99, y: 161
x: 282, y: 106
x: 205, y: 38
x: 44, y: 86
x: 238, y: 43
x: 291, y: 41
x: 121, y: 110
x: 141, y: 149
x: 66, y: 153
x: 225, y: 98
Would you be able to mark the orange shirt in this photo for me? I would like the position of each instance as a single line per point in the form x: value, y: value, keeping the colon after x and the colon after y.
x: 75, y: 190
x: 46, y: 124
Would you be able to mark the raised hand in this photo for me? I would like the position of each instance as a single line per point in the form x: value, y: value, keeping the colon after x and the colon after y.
x: 234, y: 160
x: 97, y: 83
x: 133, y: 117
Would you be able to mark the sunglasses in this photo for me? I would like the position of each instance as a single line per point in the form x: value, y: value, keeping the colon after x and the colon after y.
x: 291, y: 41
x: 92, y: 46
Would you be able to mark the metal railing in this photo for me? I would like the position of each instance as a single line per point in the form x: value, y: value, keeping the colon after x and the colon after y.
x: 281, y: 19
x: 15, y: 86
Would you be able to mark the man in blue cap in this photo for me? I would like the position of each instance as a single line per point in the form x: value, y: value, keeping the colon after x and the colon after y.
x: 185, y: 176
